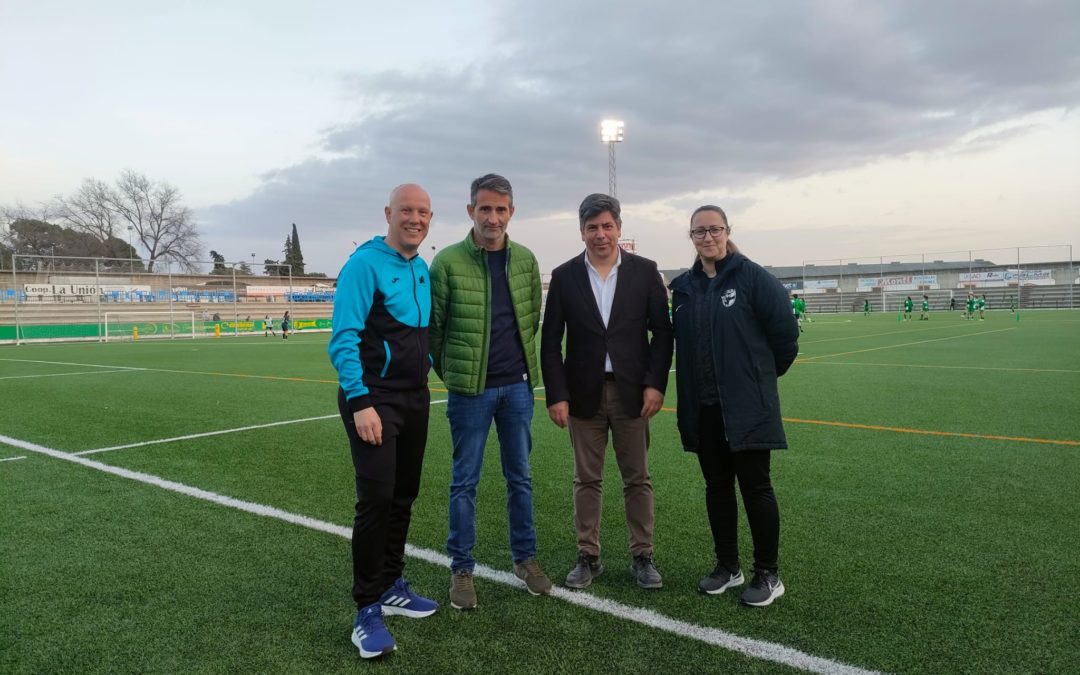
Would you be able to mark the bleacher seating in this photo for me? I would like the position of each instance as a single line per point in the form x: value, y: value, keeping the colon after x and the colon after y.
x: 311, y: 296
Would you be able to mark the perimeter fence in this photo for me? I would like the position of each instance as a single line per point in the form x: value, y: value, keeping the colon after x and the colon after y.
x: 68, y: 298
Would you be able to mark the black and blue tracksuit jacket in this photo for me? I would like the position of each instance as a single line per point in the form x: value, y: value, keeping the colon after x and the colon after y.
x: 379, y: 336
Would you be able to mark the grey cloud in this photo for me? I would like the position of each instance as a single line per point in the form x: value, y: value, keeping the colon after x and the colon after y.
x: 713, y: 94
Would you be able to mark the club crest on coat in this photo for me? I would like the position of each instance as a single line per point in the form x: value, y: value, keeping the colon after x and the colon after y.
x: 728, y: 298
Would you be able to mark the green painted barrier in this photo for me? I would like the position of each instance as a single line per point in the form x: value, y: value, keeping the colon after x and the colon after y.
x: 61, y: 331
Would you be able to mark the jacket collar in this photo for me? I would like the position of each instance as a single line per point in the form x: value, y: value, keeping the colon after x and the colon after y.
x: 684, y: 280
x: 378, y: 243
x: 579, y: 270
x: 477, y: 250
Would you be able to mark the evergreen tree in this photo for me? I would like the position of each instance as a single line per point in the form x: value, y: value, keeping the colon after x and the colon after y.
x: 293, y: 255
x: 219, y: 263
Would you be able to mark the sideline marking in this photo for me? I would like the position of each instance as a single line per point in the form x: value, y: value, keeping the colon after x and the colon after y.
x: 12, y: 459
x: 903, y: 344
x: 81, y: 372
x: 930, y: 432
x: 915, y: 365
x: 754, y: 648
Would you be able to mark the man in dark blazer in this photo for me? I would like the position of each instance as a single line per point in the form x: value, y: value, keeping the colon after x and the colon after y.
x: 613, y: 377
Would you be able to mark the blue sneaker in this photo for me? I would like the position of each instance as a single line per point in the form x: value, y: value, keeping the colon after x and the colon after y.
x: 401, y: 600
x: 370, y: 635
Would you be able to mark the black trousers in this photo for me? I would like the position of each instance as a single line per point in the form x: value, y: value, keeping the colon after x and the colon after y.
x: 387, y: 482
x: 721, y: 467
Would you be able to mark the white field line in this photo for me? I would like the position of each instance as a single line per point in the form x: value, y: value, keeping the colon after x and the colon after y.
x: 916, y: 365
x: 81, y: 372
x: 68, y: 363
x: 888, y: 332
x: 759, y: 649
x: 12, y: 459
x: 903, y: 344
x: 205, y: 434
x: 219, y: 432
x: 180, y: 372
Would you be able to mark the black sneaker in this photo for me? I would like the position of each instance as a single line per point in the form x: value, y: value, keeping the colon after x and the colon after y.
x: 764, y: 588
x: 720, y: 580
x: 645, y: 573
x: 588, y: 568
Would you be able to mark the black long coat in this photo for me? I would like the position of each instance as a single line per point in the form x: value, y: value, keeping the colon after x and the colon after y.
x: 755, y: 339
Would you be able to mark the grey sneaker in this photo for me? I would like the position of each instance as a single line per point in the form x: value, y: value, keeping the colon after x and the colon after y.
x: 535, y: 580
x: 764, y: 588
x: 645, y: 572
x: 462, y: 591
x: 720, y: 580
x: 588, y: 568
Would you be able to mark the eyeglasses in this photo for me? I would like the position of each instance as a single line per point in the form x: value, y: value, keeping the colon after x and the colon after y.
x: 700, y: 233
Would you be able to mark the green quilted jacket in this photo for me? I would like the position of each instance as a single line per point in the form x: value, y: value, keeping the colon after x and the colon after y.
x: 460, y: 330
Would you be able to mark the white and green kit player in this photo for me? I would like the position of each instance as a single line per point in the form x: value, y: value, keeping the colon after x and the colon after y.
x: 798, y: 308
x: 924, y: 315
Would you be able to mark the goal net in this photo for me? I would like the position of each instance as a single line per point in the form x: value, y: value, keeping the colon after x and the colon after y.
x: 150, y: 325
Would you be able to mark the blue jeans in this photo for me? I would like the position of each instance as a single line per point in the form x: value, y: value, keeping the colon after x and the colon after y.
x: 511, y: 407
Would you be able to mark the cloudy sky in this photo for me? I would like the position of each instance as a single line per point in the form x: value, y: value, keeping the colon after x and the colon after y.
x: 831, y: 129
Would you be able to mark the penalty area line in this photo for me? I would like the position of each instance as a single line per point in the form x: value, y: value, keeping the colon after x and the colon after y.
x: 751, y: 647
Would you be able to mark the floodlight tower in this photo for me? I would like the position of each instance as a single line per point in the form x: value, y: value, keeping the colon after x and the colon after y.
x: 611, y: 132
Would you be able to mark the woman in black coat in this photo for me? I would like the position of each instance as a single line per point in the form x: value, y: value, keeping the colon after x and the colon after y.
x: 734, y: 336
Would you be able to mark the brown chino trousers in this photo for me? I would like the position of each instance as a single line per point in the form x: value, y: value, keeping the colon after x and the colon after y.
x: 630, y: 439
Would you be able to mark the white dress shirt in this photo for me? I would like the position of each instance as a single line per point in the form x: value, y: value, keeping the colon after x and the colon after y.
x: 604, y: 293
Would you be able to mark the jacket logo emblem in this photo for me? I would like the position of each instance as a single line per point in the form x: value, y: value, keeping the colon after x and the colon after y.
x: 728, y: 298
x: 395, y: 280
x: 421, y: 278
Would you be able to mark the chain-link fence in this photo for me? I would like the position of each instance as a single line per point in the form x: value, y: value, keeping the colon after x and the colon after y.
x: 67, y: 298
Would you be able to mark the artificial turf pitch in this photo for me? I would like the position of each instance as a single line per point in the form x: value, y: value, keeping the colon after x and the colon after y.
x: 930, y: 504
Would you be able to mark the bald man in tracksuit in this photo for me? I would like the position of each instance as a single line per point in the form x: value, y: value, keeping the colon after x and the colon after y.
x: 379, y: 348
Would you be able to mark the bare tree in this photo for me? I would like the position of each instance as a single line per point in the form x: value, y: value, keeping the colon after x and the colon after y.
x: 163, y: 225
x: 88, y: 210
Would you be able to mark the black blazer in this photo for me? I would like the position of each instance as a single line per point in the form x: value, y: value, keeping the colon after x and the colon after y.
x: 639, y: 308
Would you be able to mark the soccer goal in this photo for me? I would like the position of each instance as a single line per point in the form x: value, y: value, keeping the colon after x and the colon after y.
x: 150, y: 325
x: 939, y: 300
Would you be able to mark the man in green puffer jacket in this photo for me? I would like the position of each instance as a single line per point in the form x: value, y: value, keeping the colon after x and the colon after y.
x: 485, y: 314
